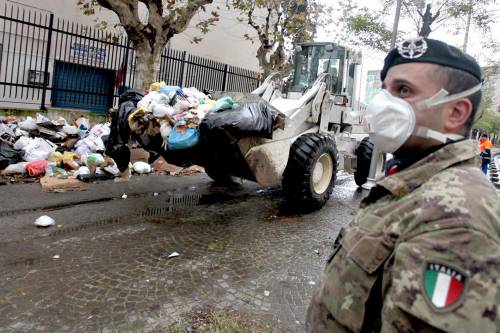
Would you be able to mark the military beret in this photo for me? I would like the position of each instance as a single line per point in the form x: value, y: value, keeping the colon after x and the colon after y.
x: 430, y: 51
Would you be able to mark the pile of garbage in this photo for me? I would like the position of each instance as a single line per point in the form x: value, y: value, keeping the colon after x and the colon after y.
x: 165, y: 120
x: 177, y: 111
x: 39, y: 146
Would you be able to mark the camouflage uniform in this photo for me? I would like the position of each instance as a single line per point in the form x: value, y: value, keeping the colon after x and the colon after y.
x: 439, y: 215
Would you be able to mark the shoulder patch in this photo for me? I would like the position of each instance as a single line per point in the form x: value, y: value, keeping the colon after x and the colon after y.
x: 444, y: 286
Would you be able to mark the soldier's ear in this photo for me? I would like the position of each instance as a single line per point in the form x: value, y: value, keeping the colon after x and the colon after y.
x: 456, y: 115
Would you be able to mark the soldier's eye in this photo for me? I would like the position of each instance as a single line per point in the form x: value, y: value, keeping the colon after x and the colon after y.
x: 404, y: 91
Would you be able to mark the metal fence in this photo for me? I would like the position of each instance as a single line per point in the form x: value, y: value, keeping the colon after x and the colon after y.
x: 50, y: 61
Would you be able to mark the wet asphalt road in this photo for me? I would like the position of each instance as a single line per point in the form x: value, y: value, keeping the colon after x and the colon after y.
x: 105, y: 266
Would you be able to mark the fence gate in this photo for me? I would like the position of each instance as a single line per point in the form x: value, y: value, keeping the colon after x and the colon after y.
x: 82, y: 87
x: 43, y: 57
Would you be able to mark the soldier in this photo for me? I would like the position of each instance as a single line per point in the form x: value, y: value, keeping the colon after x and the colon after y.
x: 423, y: 252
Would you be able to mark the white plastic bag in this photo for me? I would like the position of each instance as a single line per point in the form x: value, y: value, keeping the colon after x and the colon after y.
x: 192, y: 91
x: 22, y: 142
x: 83, y: 125
x: 93, y: 141
x: 151, y: 99
x: 13, y: 169
x: 41, y: 119
x: 44, y: 221
x: 82, y: 171
x: 181, y: 106
x: 83, y: 150
x: 161, y: 110
x: 38, y: 149
x: 141, y: 167
x: 70, y: 130
x: 112, y: 169
x: 160, y: 98
x: 29, y: 124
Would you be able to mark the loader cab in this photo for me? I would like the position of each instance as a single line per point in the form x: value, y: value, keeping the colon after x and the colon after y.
x: 313, y: 59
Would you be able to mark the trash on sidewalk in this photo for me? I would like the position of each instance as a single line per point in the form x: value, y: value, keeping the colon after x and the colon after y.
x: 82, y: 171
x: 167, y: 121
x: 15, y: 169
x: 36, y: 168
x: 183, y: 137
x: 44, y: 221
x: 192, y: 170
x: 173, y: 255
x: 141, y: 167
x: 8, y: 155
x: 93, y: 177
x: 222, y: 104
x: 52, y: 184
x: 162, y: 167
x: 124, y: 196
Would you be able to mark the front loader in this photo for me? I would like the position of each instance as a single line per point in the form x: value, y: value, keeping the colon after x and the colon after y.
x: 323, y: 130
x: 320, y: 131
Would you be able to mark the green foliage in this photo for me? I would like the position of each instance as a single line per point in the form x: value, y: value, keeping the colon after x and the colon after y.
x: 369, y: 30
x: 488, y: 118
x: 165, y: 17
x: 279, y: 25
x: 221, y: 322
x: 365, y: 27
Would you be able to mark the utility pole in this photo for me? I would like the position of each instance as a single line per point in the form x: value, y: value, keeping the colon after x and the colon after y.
x: 372, y: 174
x: 396, y: 23
x: 467, y: 28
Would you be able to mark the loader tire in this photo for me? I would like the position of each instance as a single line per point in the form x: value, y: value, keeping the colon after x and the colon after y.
x: 310, y: 174
x: 364, y: 154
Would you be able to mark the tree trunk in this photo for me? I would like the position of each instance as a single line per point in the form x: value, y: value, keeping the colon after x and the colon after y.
x: 147, y: 64
x: 427, y: 20
x: 467, y: 28
x: 264, y: 61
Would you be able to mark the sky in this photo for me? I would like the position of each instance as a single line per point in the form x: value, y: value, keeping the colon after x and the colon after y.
x: 373, y: 60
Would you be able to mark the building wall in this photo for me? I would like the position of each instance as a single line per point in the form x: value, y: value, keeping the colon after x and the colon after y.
x: 23, y: 50
x: 492, y: 85
x: 373, y: 85
x: 224, y: 42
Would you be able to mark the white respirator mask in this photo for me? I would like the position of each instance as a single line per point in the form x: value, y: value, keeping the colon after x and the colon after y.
x: 390, y: 120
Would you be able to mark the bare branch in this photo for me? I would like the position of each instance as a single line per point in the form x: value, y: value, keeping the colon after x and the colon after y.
x: 128, y: 13
x: 187, y: 13
x: 268, y: 19
x: 155, y: 9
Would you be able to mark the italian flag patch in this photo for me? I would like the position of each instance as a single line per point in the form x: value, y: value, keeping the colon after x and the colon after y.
x: 443, y: 285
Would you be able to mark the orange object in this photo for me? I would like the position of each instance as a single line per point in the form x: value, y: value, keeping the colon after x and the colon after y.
x: 486, y: 144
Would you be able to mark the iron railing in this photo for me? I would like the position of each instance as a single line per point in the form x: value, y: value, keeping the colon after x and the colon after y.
x: 50, y: 61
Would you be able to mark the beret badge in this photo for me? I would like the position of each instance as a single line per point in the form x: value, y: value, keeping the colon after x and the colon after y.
x: 413, y: 48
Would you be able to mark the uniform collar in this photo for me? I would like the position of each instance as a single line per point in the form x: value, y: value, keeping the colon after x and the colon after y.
x: 409, y: 179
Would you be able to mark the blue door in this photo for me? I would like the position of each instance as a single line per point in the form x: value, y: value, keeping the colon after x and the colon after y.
x: 82, y: 87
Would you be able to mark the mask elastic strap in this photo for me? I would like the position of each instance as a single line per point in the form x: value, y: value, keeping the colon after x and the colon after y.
x: 425, y: 132
x: 442, y: 97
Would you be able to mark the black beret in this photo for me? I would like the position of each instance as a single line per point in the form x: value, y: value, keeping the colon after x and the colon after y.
x: 430, y: 51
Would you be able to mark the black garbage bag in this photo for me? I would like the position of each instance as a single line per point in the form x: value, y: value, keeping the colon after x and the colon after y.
x: 131, y: 95
x: 255, y: 118
x: 8, y: 155
x: 117, y: 143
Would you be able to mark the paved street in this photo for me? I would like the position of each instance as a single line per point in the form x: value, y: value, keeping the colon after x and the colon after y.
x: 105, y: 266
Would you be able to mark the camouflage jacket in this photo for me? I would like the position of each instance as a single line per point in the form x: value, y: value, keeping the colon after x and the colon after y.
x: 424, y: 257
